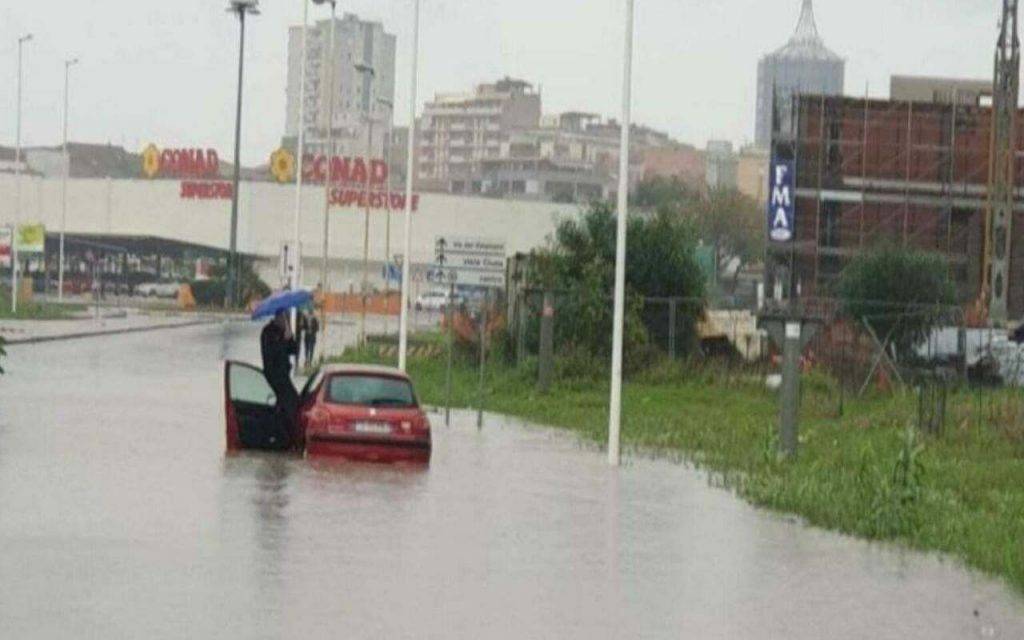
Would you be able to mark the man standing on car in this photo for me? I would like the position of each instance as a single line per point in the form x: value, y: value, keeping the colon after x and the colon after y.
x: 312, y: 328
x: 277, y: 345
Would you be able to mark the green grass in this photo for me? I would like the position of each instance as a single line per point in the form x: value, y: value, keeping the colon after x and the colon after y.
x: 30, y: 310
x: 868, y: 473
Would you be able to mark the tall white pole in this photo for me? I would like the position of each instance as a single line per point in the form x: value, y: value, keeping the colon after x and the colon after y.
x: 64, y: 183
x: 17, y: 184
x: 329, y: 153
x: 410, y: 164
x: 296, y: 274
x: 615, y: 404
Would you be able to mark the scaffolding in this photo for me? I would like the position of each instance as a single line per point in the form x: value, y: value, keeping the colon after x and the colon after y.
x: 871, y: 171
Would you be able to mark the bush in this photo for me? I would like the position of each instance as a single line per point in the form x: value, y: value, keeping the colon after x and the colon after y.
x: 210, y: 293
x: 581, y: 263
x: 900, y: 293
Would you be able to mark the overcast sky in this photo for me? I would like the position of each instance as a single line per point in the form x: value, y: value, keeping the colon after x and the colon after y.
x: 165, y: 71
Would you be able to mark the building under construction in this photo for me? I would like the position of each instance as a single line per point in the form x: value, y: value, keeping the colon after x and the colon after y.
x: 936, y: 171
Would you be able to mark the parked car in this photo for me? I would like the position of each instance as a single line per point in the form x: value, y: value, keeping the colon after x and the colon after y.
x: 158, y: 289
x: 438, y: 301
x: 354, y: 412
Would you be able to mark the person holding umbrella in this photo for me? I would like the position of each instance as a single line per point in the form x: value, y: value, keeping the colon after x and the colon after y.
x: 277, y: 345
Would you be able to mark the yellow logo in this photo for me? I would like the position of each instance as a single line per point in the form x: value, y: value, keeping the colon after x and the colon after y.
x: 150, y: 161
x: 282, y: 165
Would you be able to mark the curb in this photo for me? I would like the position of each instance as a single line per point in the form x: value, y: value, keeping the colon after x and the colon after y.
x: 108, y: 332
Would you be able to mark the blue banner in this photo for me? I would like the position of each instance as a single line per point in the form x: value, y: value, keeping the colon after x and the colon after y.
x: 781, y: 200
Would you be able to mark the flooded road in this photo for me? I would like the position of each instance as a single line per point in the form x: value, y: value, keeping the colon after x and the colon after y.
x: 121, y: 518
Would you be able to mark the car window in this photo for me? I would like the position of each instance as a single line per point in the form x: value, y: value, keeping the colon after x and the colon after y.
x: 369, y: 390
x: 312, y: 383
x: 249, y: 385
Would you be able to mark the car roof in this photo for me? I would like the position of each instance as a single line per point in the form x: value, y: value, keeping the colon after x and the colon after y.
x: 368, y: 369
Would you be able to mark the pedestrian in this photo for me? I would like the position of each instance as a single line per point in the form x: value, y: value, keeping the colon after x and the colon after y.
x: 312, y: 328
x: 301, y: 326
x: 277, y: 345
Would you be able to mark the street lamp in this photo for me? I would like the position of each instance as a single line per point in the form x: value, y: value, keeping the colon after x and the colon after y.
x: 329, y: 152
x: 615, y: 402
x: 403, y: 327
x: 386, y: 143
x: 64, y: 182
x: 369, y: 74
x: 296, y: 273
x: 242, y: 8
x: 17, y: 184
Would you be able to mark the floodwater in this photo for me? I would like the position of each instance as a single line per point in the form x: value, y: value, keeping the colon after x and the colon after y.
x: 121, y: 518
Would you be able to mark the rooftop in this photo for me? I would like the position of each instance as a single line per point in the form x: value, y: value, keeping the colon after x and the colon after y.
x: 806, y: 43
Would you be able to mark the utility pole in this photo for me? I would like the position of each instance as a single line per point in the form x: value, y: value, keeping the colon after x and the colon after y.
x: 329, y: 152
x: 64, y: 182
x: 296, y: 274
x: 1002, y: 166
x: 386, y: 143
x: 17, y: 183
x: 615, y: 402
x: 403, y: 327
x: 369, y: 74
x: 241, y: 7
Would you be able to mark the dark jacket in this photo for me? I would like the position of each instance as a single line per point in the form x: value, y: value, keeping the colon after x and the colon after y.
x: 276, y: 351
x: 312, y: 328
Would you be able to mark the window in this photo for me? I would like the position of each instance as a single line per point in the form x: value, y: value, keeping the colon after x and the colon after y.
x: 248, y: 385
x: 368, y: 390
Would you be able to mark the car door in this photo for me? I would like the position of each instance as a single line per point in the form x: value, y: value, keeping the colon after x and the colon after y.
x: 250, y: 410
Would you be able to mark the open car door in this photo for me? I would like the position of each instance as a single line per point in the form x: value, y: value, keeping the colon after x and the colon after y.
x: 250, y: 410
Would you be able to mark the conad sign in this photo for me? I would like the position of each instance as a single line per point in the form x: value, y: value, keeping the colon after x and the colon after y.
x: 198, y: 169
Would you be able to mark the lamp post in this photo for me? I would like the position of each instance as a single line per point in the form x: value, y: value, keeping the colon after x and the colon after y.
x: 329, y: 152
x: 64, y: 182
x: 410, y: 163
x: 369, y: 74
x: 296, y: 273
x: 615, y: 403
x: 386, y: 143
x: 17, y: 183
x: 241, y: 8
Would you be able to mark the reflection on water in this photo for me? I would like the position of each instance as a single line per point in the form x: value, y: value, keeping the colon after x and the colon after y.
x: 120, y: 517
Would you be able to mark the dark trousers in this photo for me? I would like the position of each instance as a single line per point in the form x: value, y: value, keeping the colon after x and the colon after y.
x: 310, y: 349
x: 287, y: 405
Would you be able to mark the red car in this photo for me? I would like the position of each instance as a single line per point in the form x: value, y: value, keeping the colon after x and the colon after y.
x: 356, y: 412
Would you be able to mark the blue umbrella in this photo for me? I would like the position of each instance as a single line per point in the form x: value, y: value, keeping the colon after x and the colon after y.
x: 282, y: 301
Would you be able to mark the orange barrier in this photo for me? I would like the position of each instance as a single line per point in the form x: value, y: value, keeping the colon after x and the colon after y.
x: 353, y: 303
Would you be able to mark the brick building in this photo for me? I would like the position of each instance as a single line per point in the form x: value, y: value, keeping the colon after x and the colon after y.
x: 870, y: 171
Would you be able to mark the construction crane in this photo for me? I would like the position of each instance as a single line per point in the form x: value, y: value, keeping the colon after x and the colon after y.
x: 999, y: 212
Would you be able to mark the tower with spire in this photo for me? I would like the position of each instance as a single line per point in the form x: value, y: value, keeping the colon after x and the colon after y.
x: 803, y: 65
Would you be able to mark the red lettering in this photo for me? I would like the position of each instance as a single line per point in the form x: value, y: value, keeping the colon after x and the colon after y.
x: 340, y: 169
x: 378, y: 172
x: 359, y: 171
x: 212, y: 162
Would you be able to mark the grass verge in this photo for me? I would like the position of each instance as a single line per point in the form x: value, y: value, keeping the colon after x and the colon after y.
x: 31, y: 310
x: 867, y: 473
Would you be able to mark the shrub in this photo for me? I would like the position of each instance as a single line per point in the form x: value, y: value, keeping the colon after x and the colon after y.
x: 900, y: 293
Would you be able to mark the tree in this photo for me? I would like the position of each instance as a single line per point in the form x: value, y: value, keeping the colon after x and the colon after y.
x: 724, y: 218
x: 581, y: 261
x: 902, y: 294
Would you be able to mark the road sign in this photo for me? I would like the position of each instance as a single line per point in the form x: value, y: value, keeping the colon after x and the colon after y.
x: 31, y: 238
x: 466, y: 261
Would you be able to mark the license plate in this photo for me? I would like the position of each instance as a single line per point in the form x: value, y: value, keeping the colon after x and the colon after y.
x: 372, y: 427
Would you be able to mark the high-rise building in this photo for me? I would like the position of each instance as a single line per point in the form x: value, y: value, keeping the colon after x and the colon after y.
x: 359, y: 96
x: 803, y: 65
x: 458, y: 130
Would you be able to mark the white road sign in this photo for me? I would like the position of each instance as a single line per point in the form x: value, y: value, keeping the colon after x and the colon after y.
x: 475, y: 262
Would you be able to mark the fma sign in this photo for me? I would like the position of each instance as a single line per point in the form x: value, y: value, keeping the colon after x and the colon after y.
x: 781, y: 200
